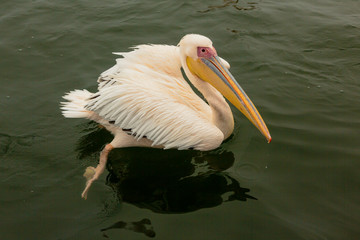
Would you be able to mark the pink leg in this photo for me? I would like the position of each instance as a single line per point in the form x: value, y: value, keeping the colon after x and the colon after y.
x: 91, y: 173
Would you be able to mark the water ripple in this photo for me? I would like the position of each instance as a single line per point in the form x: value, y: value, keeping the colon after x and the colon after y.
x: 8, y: 142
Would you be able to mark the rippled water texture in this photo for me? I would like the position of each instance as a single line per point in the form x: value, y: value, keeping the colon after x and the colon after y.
x: 297, y: 60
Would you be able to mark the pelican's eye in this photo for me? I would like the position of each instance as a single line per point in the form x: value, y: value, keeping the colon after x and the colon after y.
x: 206, y: 52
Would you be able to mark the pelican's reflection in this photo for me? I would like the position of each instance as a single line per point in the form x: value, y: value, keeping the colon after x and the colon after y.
x: 166, y: 181
x: 173, y: 181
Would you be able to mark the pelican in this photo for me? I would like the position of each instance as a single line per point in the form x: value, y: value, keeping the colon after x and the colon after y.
x: 144, y: 100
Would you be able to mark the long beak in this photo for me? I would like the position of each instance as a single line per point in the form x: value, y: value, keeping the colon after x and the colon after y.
x: 220, y: 78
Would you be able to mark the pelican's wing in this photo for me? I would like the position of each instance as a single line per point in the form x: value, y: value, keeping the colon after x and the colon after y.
x: 155, y: 105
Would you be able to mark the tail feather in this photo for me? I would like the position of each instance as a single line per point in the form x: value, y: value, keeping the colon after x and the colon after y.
x: 75, y: 105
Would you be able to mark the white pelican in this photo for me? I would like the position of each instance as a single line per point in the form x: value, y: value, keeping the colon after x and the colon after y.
x: 144, y: 101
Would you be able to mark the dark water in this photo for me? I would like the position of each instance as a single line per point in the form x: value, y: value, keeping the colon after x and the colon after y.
x: 299, y: 61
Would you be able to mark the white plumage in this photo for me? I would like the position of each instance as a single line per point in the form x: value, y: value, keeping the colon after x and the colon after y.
x: 145, y: 101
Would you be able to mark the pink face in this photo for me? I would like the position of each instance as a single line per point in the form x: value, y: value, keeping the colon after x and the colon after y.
x: 206, y: 52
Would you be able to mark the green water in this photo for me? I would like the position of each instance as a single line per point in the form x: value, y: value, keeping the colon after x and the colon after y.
x: 297, y: 60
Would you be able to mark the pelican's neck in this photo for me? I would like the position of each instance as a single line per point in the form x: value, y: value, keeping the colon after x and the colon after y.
x: 222, y: 116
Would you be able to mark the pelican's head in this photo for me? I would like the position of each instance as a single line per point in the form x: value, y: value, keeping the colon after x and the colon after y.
x: 203, y: 62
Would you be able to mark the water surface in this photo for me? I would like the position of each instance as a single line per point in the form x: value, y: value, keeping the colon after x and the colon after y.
x: 297, y: 60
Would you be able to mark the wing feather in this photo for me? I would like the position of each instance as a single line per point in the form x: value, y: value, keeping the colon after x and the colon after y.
x: 150, y: 97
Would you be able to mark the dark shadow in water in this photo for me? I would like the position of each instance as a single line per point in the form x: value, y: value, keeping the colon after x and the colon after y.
x: 164, y: 181
x: 94, y: 139
x: 143, y: 226
x: 231, y: 3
